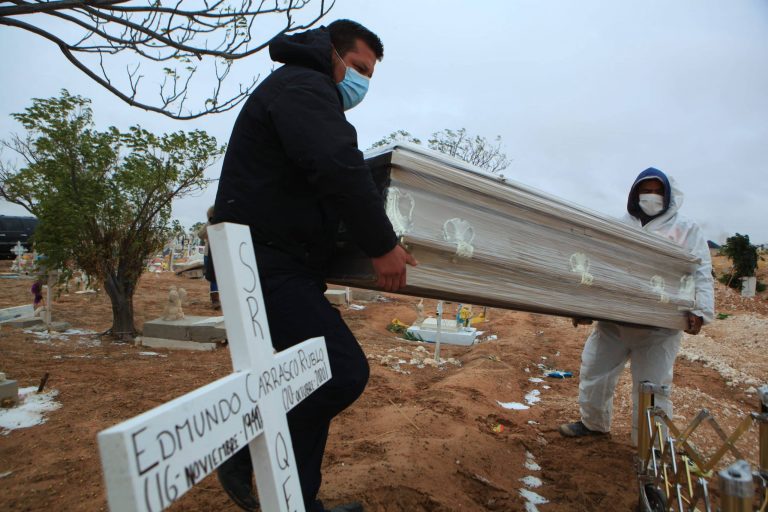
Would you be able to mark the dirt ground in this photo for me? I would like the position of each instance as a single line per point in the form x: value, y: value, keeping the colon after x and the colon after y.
x: 419, y: 439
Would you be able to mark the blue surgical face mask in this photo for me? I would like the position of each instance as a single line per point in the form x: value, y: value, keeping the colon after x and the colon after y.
x: 353, y: 87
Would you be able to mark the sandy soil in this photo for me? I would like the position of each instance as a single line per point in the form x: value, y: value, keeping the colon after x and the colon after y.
x: 419, y: 439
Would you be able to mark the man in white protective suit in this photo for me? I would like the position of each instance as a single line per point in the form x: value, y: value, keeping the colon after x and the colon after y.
x: 654, y: 202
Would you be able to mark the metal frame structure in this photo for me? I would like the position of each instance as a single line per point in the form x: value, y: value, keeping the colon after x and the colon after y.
x: 674, y: 476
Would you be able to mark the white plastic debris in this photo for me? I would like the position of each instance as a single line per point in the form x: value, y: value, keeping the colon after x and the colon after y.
x: 513, y: 405
x: 30, y: 410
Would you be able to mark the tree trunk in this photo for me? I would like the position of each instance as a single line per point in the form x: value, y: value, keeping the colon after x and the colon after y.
x: 121, y: 294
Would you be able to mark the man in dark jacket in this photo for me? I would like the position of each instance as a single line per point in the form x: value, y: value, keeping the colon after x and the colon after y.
x: 292, y: 173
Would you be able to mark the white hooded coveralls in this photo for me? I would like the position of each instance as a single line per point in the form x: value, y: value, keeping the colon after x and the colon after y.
x: 651, y: 350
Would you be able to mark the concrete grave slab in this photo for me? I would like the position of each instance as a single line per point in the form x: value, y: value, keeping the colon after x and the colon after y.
x: 147, y: 341
x: 191, y: 328
x: 450, y: 337
x: 336, y: 297
x: 16, y: 312
x: 24, y: 322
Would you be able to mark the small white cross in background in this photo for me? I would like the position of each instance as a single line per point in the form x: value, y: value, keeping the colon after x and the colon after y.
x: 151, y: 460
x: 19, y: 250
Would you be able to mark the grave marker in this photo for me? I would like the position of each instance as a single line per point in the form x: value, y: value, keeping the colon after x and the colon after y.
x: 151, y: 460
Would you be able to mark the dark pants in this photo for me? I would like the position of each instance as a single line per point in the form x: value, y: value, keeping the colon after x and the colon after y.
x: 298, y: 310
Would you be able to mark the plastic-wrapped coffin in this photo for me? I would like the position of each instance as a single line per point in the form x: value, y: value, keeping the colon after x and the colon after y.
x: 486, y: 241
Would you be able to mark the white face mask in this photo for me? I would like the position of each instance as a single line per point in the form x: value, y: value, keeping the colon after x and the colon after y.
x: 651, y: 204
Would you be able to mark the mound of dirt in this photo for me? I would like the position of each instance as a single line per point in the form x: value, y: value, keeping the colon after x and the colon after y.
x: 421, y: 438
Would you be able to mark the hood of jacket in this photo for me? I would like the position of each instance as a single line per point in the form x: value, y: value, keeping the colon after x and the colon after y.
x: 310, y: 49
x: 673, y: 196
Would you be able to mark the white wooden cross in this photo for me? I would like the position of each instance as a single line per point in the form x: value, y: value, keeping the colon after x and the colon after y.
x: 19, y: 250
x: 151, y: 460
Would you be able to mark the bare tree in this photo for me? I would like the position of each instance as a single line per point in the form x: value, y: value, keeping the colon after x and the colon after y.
x: 189, y: 46
x: 476, y: 150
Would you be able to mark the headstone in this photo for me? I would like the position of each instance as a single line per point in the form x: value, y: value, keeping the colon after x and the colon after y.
x: 363, y: 295
x: 9, y: 392
x: 419, y: 313
x: 173, y: 309
x: 151, y: 460
x: 336, y: 297
x: 748, y: 286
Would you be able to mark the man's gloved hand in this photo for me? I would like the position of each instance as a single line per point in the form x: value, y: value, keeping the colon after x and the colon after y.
x: 581, y: 321
x: 390, y: 268
x: 694, y: 323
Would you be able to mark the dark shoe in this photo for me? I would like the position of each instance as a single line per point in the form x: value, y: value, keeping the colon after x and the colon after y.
x: 236, y: 478
x: 347, y: 507
x: 578, y: 429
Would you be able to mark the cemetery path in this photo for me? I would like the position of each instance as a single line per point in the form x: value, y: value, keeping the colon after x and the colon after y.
x: 419, y: 439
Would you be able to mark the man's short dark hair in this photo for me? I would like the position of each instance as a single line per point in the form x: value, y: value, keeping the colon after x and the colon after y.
x: 345, y: 33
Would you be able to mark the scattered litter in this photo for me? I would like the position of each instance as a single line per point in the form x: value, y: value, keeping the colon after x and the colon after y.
x: 498, y: 428
x: 494, y: 358
x: 544, y: 357
x: 531, y: 481
x: 5, y: 474
x: 546, y: 387
x: 79, y: 356
x: 418, y: 357
x: 558, y: 374
x: 530, y: 462
x: 481, y: 479
x: 152, y: 354
x: 397, y: 327
x: 532, y: 422
x: 527, y: 370
x: 30, y: 410
x: 491, y: 337
x: 83, y: 337
x: 356, y: 307
x: 722, y: 316
x: 533, y: 397
x: 535, y: 380
x: 513, y: 405
x: 532, y: 499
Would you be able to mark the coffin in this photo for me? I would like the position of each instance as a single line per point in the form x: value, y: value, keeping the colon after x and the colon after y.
x: 484, y: 240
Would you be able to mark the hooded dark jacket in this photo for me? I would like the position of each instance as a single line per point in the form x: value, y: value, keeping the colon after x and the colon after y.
x: 293, y: 171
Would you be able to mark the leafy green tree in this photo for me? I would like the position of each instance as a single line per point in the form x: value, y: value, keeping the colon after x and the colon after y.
x: 103, y: 198
x: 744, y: 257
x: 195, y: 229
x: 473, y: 149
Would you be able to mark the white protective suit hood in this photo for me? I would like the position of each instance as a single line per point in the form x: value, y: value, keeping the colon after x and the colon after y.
x: 685, y: 232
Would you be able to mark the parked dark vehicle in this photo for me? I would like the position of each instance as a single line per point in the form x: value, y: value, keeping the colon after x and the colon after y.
x: 13, y: 230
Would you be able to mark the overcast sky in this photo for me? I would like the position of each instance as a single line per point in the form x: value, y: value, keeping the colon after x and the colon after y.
x: 585, y: 95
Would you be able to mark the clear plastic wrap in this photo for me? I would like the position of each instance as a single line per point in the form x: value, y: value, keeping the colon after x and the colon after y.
x: 487, y: 241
